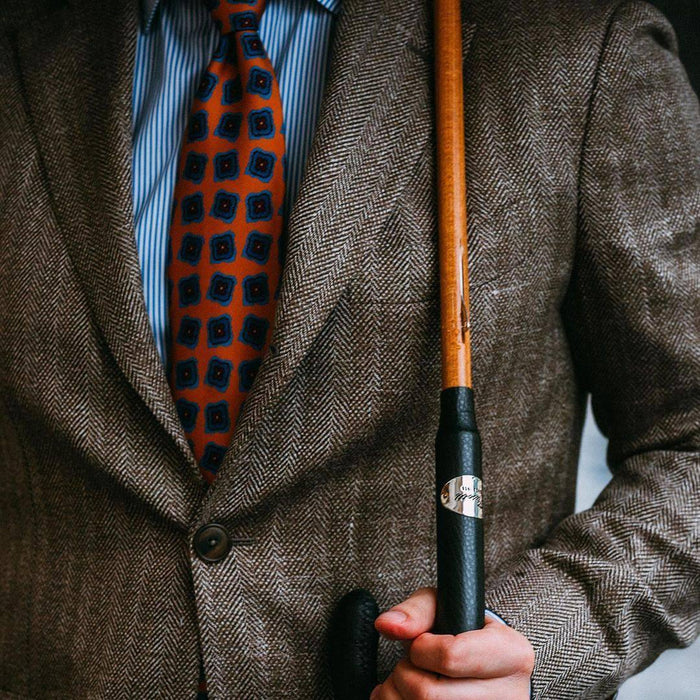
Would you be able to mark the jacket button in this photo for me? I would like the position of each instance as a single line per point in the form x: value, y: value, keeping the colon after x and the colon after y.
x: 211, y: 542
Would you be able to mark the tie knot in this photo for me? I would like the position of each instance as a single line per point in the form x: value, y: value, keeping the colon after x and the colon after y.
x: 238, y: 16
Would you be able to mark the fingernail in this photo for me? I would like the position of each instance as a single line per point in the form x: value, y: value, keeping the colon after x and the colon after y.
x: 395, y: 616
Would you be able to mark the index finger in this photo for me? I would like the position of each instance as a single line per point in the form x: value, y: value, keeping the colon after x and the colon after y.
x: 496, y: 651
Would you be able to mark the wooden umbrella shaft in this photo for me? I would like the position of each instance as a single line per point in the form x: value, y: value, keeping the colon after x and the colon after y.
x: 451, y: 195
x: 460, y: 534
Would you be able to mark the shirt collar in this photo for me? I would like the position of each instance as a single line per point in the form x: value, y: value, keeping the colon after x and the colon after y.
x: 331, y: 5
x: 148, y: 10
x: 149, y: 7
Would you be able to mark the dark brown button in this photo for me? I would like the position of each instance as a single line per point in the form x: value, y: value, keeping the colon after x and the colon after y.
x: 212, y: 542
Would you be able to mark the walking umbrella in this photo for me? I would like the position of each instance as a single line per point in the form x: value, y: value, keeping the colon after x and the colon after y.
x: 460, y: 558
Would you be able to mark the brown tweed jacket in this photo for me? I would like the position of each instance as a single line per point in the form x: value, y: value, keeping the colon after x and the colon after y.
x: 584, y: 170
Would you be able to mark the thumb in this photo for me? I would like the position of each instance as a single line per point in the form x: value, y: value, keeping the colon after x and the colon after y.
x: 410, y: 618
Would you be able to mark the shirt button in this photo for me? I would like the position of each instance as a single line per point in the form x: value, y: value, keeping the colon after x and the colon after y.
x: 211, y: 542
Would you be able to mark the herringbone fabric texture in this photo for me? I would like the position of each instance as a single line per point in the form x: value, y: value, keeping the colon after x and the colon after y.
x: 224, y: 257
x: 584, y: 165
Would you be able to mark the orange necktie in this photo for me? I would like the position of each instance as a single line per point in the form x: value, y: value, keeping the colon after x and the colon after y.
x: 224, y: 252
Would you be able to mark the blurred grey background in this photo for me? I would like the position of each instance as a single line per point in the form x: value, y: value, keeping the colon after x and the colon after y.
x: 676, y: 673
x: 685, y: 18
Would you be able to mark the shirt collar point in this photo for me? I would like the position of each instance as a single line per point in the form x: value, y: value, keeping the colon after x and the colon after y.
x: 333, y: 6
x: 148, y: 11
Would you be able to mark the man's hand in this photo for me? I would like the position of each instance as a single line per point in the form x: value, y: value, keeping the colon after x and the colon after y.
x: 494, y: 662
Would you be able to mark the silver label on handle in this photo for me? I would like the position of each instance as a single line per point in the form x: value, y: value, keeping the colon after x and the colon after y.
x: 463, y: 495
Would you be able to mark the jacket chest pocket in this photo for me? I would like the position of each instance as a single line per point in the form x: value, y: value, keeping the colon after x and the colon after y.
x: 400, y: 265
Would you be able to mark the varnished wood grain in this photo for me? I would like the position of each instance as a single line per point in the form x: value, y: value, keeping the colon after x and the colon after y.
x: 451, y: 193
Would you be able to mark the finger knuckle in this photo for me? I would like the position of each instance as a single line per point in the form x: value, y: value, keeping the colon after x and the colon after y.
x: 449, y: 659
x: 413, y: 683
x: 413, y: 605
x: 418, y: 601
x: 403, y: 676
x: 527, y: 660
x: 478, y: 667
x: 430, y: 691
x: 421, y: 689
x: 522, y: 653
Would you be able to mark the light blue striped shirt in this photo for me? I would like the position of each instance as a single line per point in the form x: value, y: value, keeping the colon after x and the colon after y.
x: 175, y: 44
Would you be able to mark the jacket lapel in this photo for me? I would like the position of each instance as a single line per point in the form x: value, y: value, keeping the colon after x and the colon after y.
x: 84, y: 132
x: 375, y: 121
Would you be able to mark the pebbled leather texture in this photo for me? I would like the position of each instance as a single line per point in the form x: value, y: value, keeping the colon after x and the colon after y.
x: 460, y: 538
x: 352, y: 645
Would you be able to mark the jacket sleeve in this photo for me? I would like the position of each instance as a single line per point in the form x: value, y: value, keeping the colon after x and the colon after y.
x: 615, y: 585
